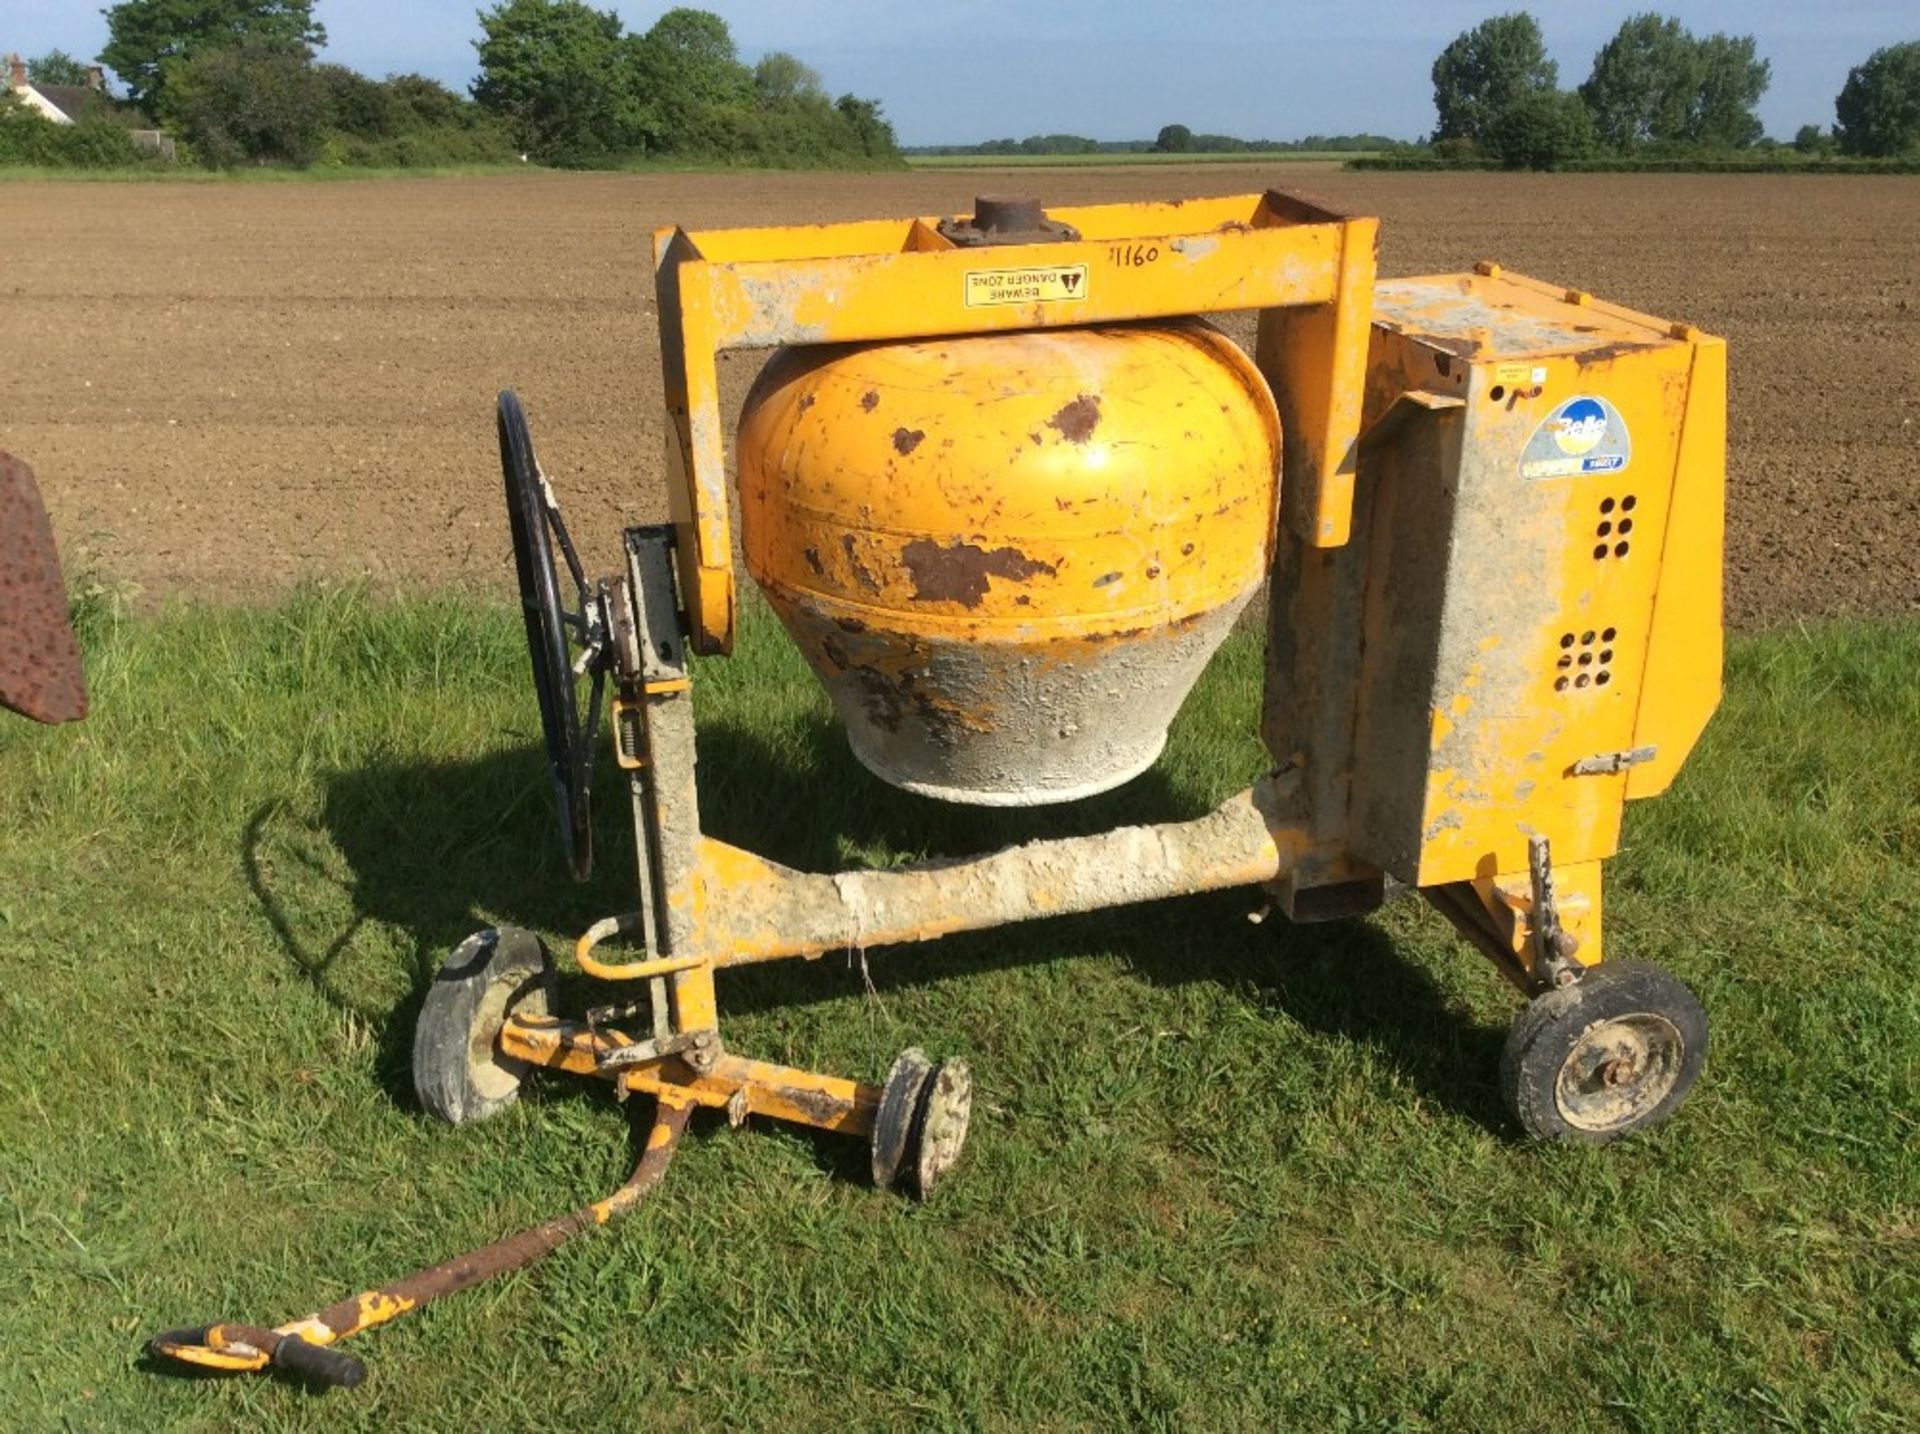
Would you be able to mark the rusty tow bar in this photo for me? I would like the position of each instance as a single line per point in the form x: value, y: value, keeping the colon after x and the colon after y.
x: 302, y: 1347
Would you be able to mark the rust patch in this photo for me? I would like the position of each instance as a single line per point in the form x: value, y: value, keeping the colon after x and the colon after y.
x: 1607, y: 353
x: 812, y: 555
x: 870, y: 400
x: 514, y: 1252
x: 849, y: 624
x: 1076, y: 421
x: 807, y: 401
x: 40, y: 672
x: 818, y: 1107
x: 959, y: 573
x: 905, y: 440
x: 861, y: 572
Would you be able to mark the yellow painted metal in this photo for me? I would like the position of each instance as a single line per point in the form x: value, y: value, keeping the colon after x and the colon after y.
x: 1316, y: 359
x: 1132, y: 470
x: 240, y: 1359
x: 1681, y: 686
x: 728, y: 1082
x: 1008, y: 556
x: 1557, y: 586
x: 624, y: 971
x: 1577, y: 902
x: 741, y: 908
x: 757, y: 288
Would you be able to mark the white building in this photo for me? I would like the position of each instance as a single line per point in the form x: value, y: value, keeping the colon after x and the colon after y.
x: 62, y: 104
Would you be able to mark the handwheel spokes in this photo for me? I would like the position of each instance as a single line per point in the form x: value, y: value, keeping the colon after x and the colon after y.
x: 567, y: 644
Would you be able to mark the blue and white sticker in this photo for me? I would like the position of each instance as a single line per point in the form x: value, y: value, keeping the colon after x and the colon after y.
x: 1582, y: 435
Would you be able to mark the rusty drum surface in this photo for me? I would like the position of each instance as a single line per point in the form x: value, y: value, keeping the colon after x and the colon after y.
x: 1008, y: 557
x: 40, y: 672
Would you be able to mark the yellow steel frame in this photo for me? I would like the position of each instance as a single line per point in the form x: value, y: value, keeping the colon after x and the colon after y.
x: 1307, y: 266
x: 1494, y: 769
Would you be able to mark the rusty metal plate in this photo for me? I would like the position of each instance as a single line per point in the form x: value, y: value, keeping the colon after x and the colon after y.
x: 40, y: 672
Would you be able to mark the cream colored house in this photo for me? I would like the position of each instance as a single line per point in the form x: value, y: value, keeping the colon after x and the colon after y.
x: 62, y: 104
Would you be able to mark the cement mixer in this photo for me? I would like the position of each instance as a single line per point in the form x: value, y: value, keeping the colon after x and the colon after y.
x: 1007, y: 490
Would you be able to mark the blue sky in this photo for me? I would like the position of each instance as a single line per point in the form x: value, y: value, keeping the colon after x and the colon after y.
x: 964, y: 70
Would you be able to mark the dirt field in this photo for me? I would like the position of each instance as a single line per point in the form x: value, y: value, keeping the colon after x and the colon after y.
x: 226, y: 387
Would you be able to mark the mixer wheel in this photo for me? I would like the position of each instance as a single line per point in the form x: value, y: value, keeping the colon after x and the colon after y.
x: 946, y: 1108
x: 458, y: 1071
x: 899, y: 1104
x: 922, y: 1122
x: 1609, y: 1054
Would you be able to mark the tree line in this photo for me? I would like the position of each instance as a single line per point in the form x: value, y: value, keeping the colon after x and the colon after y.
x: 1172, y: 139
x: 239, y: 82
x: 1656, y: 90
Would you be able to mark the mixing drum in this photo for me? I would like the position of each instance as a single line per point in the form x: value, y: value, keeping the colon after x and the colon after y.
x: 1009, y: 556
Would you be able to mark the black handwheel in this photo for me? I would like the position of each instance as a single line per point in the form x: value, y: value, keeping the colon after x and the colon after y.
x: 554, y: 632
x: 1612, y: 1053
x: 458, y: 1071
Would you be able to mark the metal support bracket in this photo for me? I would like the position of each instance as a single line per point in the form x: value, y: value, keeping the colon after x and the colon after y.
x: 1553, y: 947
x: 1606, y: 764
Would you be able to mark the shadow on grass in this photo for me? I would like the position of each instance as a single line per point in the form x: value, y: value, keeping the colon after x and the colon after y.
x: 438, y: 851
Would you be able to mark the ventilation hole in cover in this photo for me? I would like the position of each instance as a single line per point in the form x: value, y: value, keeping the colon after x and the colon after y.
x: 1626, y: 526
x: 1586, y: 638
x: 1626, y: 503
x: 1581, y: 680
x: 1560, y: 684
x: 1602, y: 679
x: 1566, y: 639
x: 1606, y: 505
x: 1600, y: 551
x: 1608, y: 635
x: 1605, y: 528
x: 1620, y: 549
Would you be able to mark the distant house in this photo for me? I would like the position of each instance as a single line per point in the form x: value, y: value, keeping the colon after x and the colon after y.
x: 63, y: 104
x: 69, y: 104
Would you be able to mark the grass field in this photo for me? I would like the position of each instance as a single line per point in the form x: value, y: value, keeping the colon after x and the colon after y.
x: 1222, y: 1176
x: 1082, y: 161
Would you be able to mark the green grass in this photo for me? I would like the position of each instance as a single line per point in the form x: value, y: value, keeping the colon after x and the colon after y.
x: 1222, y: 1176
x: 1082, y: 161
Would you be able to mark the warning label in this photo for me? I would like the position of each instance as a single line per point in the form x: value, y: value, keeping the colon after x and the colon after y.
x: 1056, y: 284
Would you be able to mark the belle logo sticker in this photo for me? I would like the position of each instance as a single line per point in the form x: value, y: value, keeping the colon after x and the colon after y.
x: 1582, y: 435
x: 1055, y: 284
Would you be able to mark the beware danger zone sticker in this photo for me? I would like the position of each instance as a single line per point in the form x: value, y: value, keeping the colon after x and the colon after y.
x: 1056, y: 284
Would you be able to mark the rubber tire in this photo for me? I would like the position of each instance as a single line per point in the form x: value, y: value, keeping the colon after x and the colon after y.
x: 894, y: 1122
x: 940, y: 1124
x: 1545, y: 1034
x: 457, y: 1074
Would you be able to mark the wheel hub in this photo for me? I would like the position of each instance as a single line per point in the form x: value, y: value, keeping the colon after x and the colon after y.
x: 1619, y: 1071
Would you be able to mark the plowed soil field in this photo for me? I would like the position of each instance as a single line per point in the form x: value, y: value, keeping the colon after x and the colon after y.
x: 225, y: 388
